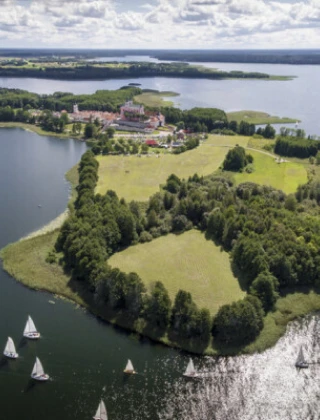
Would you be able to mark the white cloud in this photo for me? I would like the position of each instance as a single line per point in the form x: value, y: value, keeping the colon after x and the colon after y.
x: 162, y: 23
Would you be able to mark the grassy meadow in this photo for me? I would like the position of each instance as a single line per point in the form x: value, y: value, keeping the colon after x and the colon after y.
x: 188, y: 262
x: 286, y: 176
x: 25, y: 261
x: 155, y: 99
x: 256, y: 117
x: 137, y: 178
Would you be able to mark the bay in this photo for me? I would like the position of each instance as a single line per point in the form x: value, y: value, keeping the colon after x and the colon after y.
x: 297, y: 98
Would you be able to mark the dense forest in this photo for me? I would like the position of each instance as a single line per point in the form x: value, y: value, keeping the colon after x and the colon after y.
x: 87, y: 71
x: 273, y: 240
x: 101, y: 100
x: 225, y: 56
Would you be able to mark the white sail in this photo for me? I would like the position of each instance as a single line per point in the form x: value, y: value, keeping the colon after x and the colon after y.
x: 30, y: 327
x: 37, y: 368
x: 10, y: 348
x: 301, y: 360
x: 101, y: 413
x: 129, y: 366
x: 190, y: 371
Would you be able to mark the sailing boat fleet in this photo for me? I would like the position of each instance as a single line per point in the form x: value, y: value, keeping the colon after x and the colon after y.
x: 31, y: 333
x: 38, y: 374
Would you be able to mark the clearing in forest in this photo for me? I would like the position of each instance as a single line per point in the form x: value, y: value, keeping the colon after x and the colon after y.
x: 187, y: 261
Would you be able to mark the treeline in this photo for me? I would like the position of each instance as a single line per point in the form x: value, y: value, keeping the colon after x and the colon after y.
x: 267, y: 233
x: 246, y: 56
x: 47, y: 120
x: 100, y: 226
x: 296, y: 147
x: 101, y: 100
x: 196, y: 119
x: 88, y: 71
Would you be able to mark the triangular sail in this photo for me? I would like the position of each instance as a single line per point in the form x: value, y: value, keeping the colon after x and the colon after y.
x: 31, y: 326
x: 301, y: 359
x: 101, y: 413
x: 129, y: 366
x: 190, y: 368
x: 38, y: 368
x: 10, y: 347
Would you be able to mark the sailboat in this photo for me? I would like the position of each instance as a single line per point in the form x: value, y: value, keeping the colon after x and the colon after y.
x: 30, y: 330
x: 129, y: 368
x: 190, y: 372
x: 10, y: 350
x: 38, y: 372
x: 301, y: 361
x: 101, y: 413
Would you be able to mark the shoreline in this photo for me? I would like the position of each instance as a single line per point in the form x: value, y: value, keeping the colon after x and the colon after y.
x: 32, y: 271
x: 38, y: 130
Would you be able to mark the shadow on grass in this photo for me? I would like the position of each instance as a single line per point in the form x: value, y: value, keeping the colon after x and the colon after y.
x: 241, y: 277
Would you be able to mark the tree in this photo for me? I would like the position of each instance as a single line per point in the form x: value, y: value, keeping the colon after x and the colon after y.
x: 291, y: 203
x: 111, y: 132
x: 269, y: 132
x: 216, y: 224
x: 264, y: 287
x: 238, y: 323
x: 89, y: 131
x: 158, y: 307
x: 182, y: 313
x: 236, y: 159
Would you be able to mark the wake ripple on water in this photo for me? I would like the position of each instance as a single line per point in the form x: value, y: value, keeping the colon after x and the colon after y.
x: 264, y: 386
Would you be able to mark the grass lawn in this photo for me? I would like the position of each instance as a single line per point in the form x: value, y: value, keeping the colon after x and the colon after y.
x: 188, y: 262
x: 256, y: 117
x: 25, y: 261
x: 137, y: 178
x: 285, y: 176
x: 155, y: 99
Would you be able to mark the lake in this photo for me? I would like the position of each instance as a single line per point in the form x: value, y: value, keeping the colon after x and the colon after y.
x: 298, y: 98
x: 85, y: 357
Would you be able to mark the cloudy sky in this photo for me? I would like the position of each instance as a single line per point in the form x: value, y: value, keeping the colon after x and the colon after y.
x: 160, y: 23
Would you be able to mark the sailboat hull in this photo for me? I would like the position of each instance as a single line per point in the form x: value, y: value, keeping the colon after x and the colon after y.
x: 32, y: 336
x: 11, y: 355
x: 303, y: 365
x: 129, y: 372
x: 41, y: 378
x: 191, y: 375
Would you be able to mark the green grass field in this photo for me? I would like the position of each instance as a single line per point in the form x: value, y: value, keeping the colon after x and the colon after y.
x: 188, y: 262
x: 25, y: 261
x: 137, y: 178
x: 155, y: 99
x: 256, y: 117
x: 285, y: 176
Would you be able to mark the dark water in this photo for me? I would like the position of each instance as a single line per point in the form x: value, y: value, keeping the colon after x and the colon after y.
x: 298, y: 98
x: 85, y: 357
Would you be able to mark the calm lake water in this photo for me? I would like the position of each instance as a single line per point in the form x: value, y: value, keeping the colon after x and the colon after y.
x: 85, y: 357
x: 298, y: 98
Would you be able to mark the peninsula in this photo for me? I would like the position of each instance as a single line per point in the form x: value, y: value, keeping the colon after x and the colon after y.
x: 77, y: 69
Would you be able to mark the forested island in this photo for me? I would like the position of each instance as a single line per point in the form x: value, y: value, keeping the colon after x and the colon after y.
x: 76, y: 69
x: 283, y: 56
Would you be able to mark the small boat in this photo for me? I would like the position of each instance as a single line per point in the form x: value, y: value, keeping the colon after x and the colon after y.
x: 10, y: 350
x: 301, y: 361
x: 30, y: 330
x: 129, y: 368
x: 101, y: 413
x: 38, y: 372
x: 190, y: 372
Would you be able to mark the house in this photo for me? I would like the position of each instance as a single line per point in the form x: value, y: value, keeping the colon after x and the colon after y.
x: 152, y: 143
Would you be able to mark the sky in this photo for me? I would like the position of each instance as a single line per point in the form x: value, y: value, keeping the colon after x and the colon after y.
x: 160, y: 24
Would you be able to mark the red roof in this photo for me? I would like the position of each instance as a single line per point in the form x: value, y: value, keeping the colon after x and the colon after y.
x: 151, y: 143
